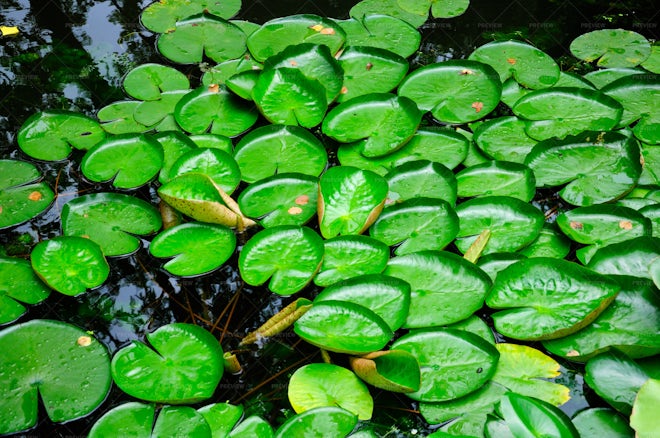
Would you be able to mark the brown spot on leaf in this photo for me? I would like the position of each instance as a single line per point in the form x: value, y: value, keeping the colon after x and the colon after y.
x: 317, y: 27
x: 35, y: 196
x: 511, y: 61
x: 369, y: 65
x: 293, y: 62
x: 572, y: 353
x: 0, y: 209
x: 576, y: 225
x: 327, y: 31
x: 295, y: 210
x: 302, y: 200
x: 344, y: 90
x: 625, y: 225
x: 84, y: 341
x: 214, y: 88
x: 478, y: 106
x: 85, y: 236
x: 467, y: 71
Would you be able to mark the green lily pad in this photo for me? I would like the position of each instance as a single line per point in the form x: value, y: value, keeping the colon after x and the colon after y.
x: 220, y: 73
x: 417, y: 224
x: 652, y: 63
x: 493, y: 263
x: 445, y: 288
x: 160, y: 113
x: 421, y: 179
x: 504, y: 138
x: 602, y: 77
x: 382, y: 32
x: 546, y: 298
x: 456, y: 91
x: 384, y: 120
x: 390, y: 7
x: 291, y: 255
x: 150, y: 81
x: 221, y: 417
x: 568, y: 79
x: 525, y: 370
x: 202, y: 35
x: 350, y: 200
x: 630, y: 257
x: 652, y: 212
x: 71, y: 383
x: 343, y: 327
x: 319, y: 384
x: 388, y: 297
x: 18, y: 284
x: 497, y: 178
x: 70, y: 264
x: 242, y: 84
x: 439, y: 8
x: 276, y: 35
x: 216, y: 108
x: 558, y: 112
x: 288, y: 148
x: 549, y: 243
x: 197, y: 248
x: 252, y: 427
x: 476, y: 325
x: 220, y: 166
x: 174, y: 145
x: 612, y: 48
x: 651, y: 167
x: 596, y: 167
x: 513, y: 223
x: 184, y: 366
x: 512, y: 91
x: 393, y: 370
x: 110, y: 219
x: 453, y: 363
x: 351, y: 256
x: 117, y: 118
x: 603, y: 422
x: 282, y: 199
x: 644, y: 418
x: 128, y: 161
x: 213, y: 141
x: 321, y: 421
x: 51, y: 135
x: 529, y: 416
x: 529, y: 66
x: 162, y: 16
x: 21, y: 196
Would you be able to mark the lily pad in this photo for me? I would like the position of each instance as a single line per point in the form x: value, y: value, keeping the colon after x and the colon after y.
x: 512, y: 91
x: 606, y: 76
x: 288, y: 148
x: 197, y: 248
x: 128, y: 161
x: 549, y: 243
x: 221, y: 417
x: 390, y: 7
x: 213, y: 141
x: 644, y: 418
x: 160, y: 113
x: 493, y: 263
x: 382, y: 32
x: 220, y: 73
x: 439, y: 8
x: 321, y: 421
x: 453, y: 363
x: 289, y: 254
x: 546, y: 298
x: 21, y: 196
x: 596, y: 167
x: 504, y: 138
x: 351, y: 256
x: 456, y: 91
x: 174, y: 144
x: 71, y: 383
x: 70, y: 264
x: 529, y: 416
x: 162, y: 16
x: 421, y: 179
x: 630, y: 257
x: 111, y: 220
x: 603, y: 422
x: 150, y: 81
x: 202, y: 35
x: 184, y: 366
x: 51, y: 135
x: 215, y: 163
x: 497, y: 178
x: 612, y: 48
x: 445, y: 288
x: 252, y: 427
x: 393, y: 370
x: 416, y: 225
x: 117, y: 118
x: 18, y: 284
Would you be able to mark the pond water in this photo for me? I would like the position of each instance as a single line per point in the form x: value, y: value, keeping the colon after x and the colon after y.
x: 72, y: 54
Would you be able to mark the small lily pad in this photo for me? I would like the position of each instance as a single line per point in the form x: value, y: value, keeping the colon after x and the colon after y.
x: 162, y: 16
x: 213, y: 141
x: 220, y: 166
x: 219, y: 74
x: 117, y: 118
x: 529, y: 416
x: 174, y: 144
x: 612, y: 48
x: 326, y: 420
x: 493, y: 263
x: 504, y: 138
x: 160, y: 113
x: 21, y: 196
x: 18, y: 284
x: 603, y: 422
x: 497, y: 178
x: 252, y: 427
x: 421, y: 179
x: 382, y: 32
x: 150, y: 81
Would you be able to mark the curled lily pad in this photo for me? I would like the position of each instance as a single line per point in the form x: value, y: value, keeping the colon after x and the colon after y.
x: 612, y: 48
x: 150, y: 81
x: 455, y: 91
x: 497, y: 178
x: 382, y: 32
x: 117, y: 118
x: 51, y: 135
x: 351, y: 256
x: 319, y: 384
x: 72, y: 383
x: 601, y: 421
x: 18, y: 284
x: 221, y: 417
x: 215, y: 163
x: 350, y: 200
x: 291, y: 255
x: 421, y: 179
x: 288, y: 148
x: 546, y: 298
x: 21, y: 196
x: 110, y: 219
x: 326, y: 420
x: 242, y: 84
x: 529, y: 416
x: 70, y: 264
x: 162, y: 16
x: 393, y: 370
x: 197, y: 248
x: 184, y: 366
x: 504, y: 138
x: 129, y: 160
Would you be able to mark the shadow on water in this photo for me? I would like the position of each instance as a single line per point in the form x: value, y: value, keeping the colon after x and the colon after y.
x: 72, y: 54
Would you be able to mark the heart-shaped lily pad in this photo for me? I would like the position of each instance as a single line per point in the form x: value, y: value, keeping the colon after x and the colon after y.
x: 184, y: 366
x: 197, y: 248
x: 497, y: 178
x: 111, y: 220
x: 456, y: 91
x: 289, y: 254
x: 612, y: 48
x: 445, y: 288
x: 21, y: 197
x: 351, y: 256
x: 421, y: 179
x: 51, y: 135
x: 326, y: 420
x: 150, y: 81
x: 18, y: 284
x: 504, y: 138
x: 215, y: 163
x: 70, y: 264
x: 162, y: 16
x: 350, y: 200
x: 547, y: 298
x: 174, y: 145
x: 219, y: 74
x: 72, y: 382
x: 129, y: 160
x: 288, y: 148
x: 453, y: 363
x: 382, y: 32
x: 160, y: 113
x: 320, y: 384
x: 117, y: 118
x: 529, y: 416
x: 393, y: 370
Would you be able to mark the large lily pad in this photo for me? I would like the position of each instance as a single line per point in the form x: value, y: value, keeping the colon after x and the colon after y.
x: 382, y: 32
x: 546, y: 298
x: 21, y: 196
x: 184, y: 366
x: 110, y: 219
x: 497, y: 178
x: 72, y: 383
x: 162, y: 16
x: 150, y: 81
x: 351, y: 256
x: 612, y: 48
x: 18, y: 284
x: 215, y: 163
x: 504, y: 138
x: 289, y: 254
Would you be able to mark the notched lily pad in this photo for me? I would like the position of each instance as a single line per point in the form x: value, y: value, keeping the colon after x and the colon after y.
x: 220, y: 166
x: 22, y: 197
x: 162, y: 16
x: 382, y: 32
x: 18, y: 285
x: 612, y: 48
x: 117, y: 118
x: 150, y: 81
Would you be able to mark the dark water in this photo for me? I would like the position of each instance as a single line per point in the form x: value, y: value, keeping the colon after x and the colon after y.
x: 72, y: 54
